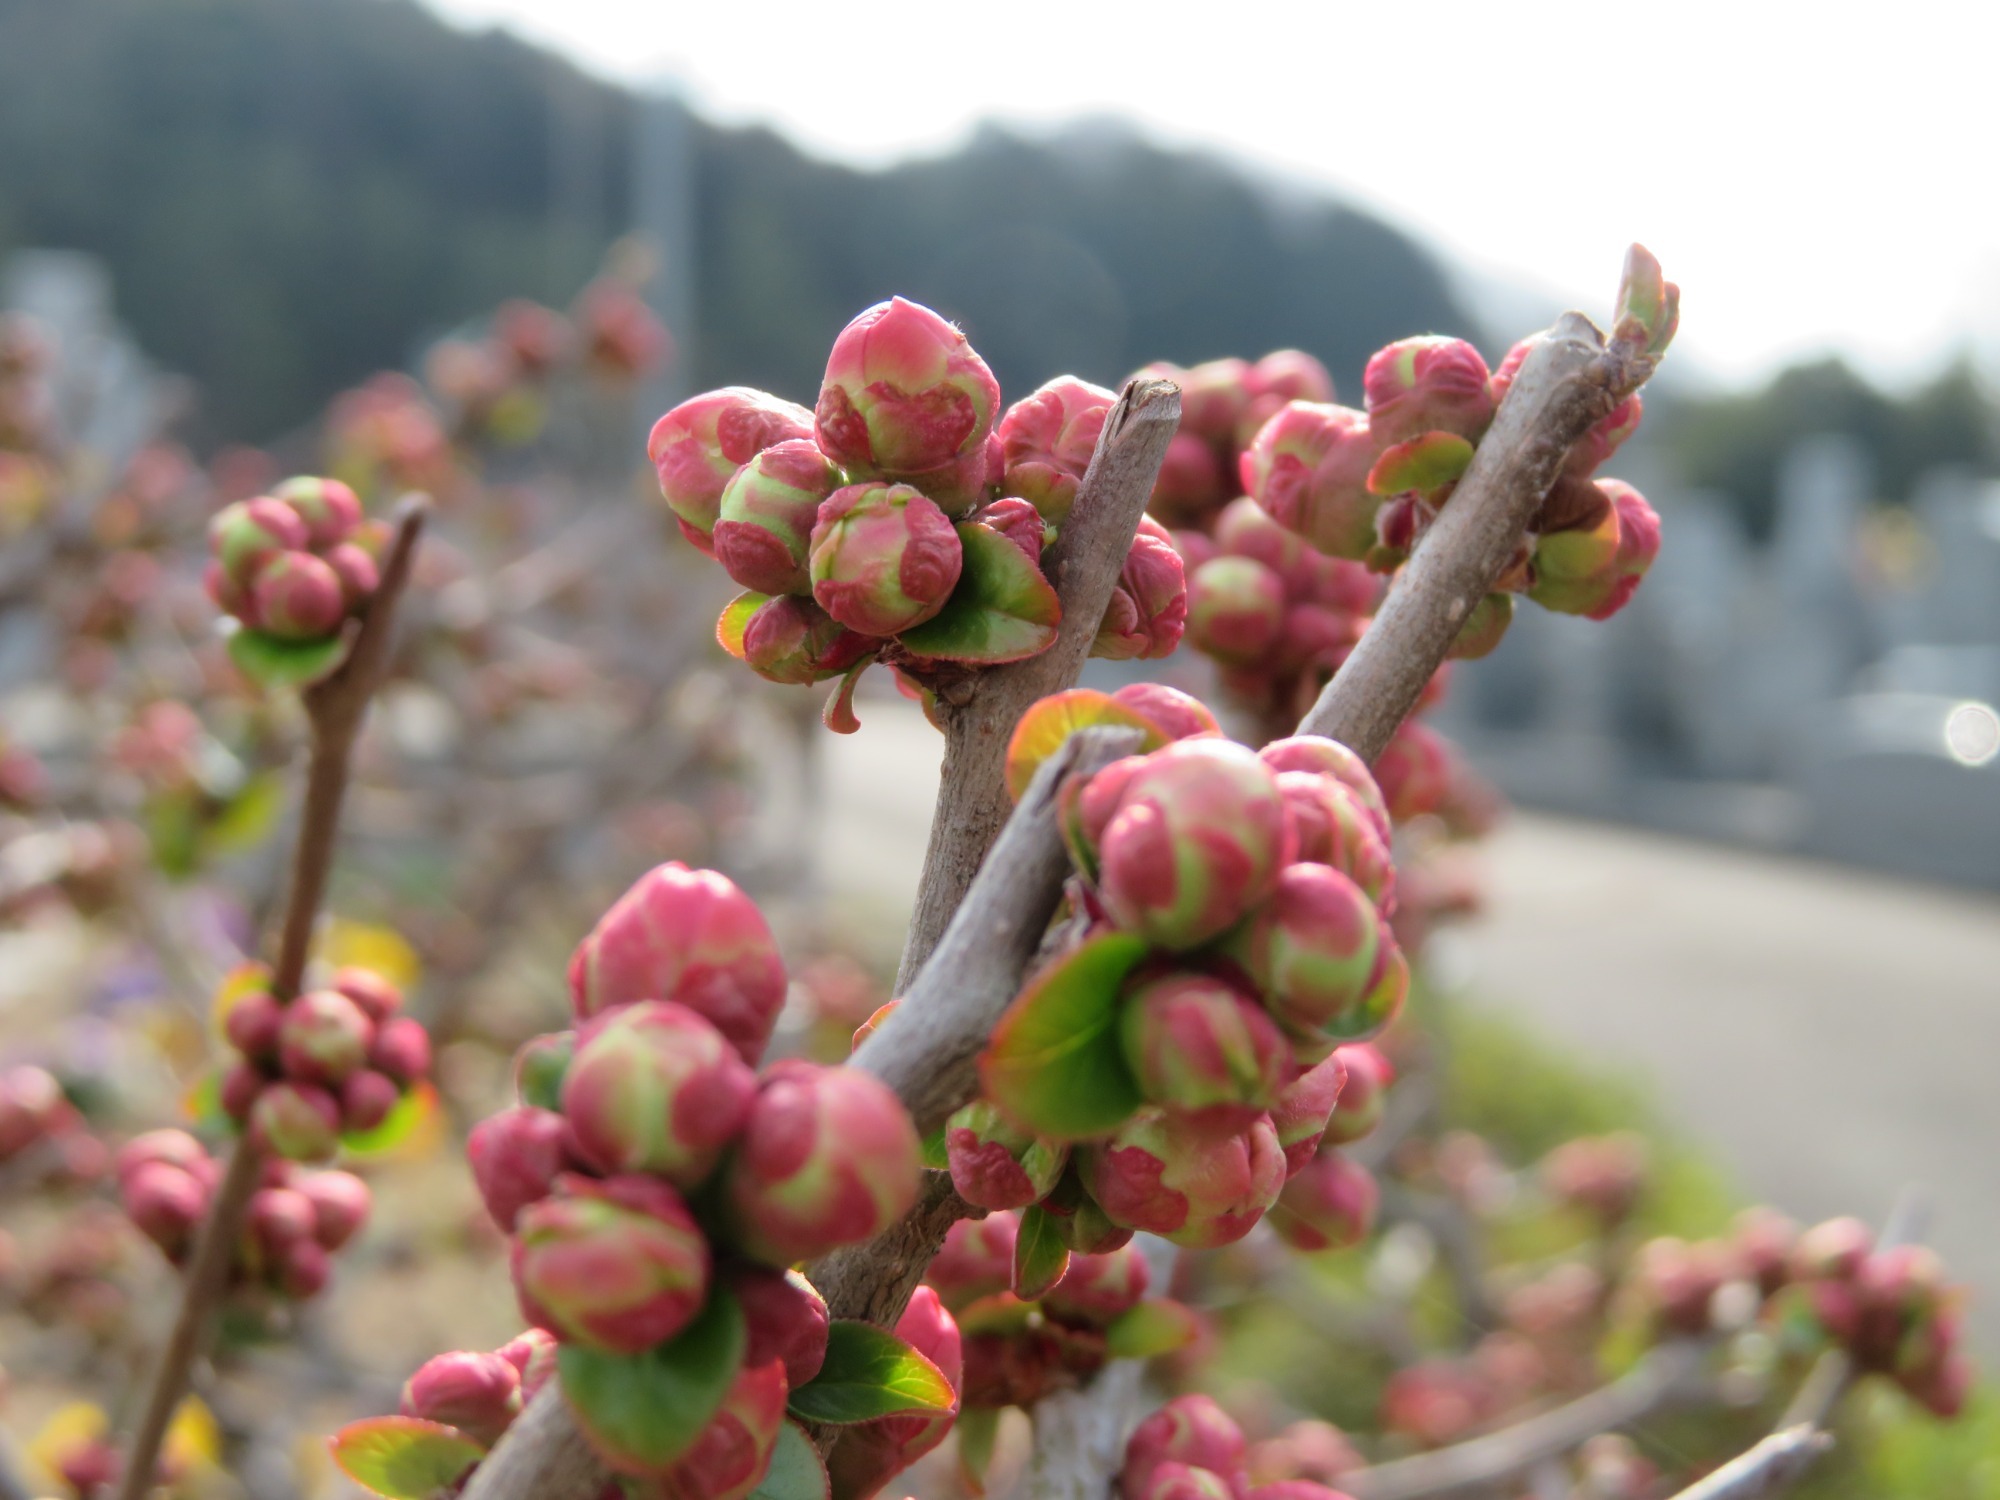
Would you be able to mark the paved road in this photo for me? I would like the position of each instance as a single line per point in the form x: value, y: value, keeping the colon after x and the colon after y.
x: 1832, y: 1035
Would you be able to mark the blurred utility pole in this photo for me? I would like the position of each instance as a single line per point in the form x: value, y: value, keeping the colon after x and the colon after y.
x: 663, y: 210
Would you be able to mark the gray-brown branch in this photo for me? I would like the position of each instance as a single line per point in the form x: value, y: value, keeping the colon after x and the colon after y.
x: 1766, y: 1469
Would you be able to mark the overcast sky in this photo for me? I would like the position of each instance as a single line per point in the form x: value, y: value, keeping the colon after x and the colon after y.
x: 1816, y: 177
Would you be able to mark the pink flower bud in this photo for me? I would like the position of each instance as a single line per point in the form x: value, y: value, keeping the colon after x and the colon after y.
x: 1019, y: 522
x: 884, y: 558
x: 1763, y: 1241
x: 699, y: 445
x: 1308, y: 467
x: 732, y: 1454
x: 1236, y: 609
x: 1192, y: 482
x: 1364, y: 1095
x: 1602, y: 1175
x: 1215, y: 395
x: 367, y: 1098
x: 1197, y: 1044
x: 1172, y: 1481
x: 330, y: 510
x: 1099, y: 1288
x: 1289, y: 375
x: 359, y: 574
x: 1148, y: 606
x: 277, y: 1218
x: 303, y: 1270
x: 480, y: 1394
x: 1415, y: 771
x: 977, y: 1259
x: 1427, y: 384
x: 1328, y: 1204
x: 533, y: 1353
x: 1310, y: 950
x: 246, y: 535
x: 1164, y: 1174
x: 765, y: 519
x: 1177, y: 715
x: 1303, y: 1110
x: 963, y: 485
x: 1198, y: 838
x: 904, y: 392
x: 174, y: 1147
x: 1311, y: 752
x: 298, y: 597
x: 1675, y: 1283
x: 792, y: 640
x: 785, y: 1318
x: 377, y: 997
x: 994, y: 1165
x: 618, y: 1265
x: 1315, y: 1452
x: 323, y: 1037
x: 827, y: 1158
x: 1190, y: 1430
x: 340, y: 1203
x: 516, y: 1157
x: 298, y: 1121
x: 654, y: 1087
x: 1833, y: 1251
x: 253, y: 1024
x: 241, y: 1083
x: 402, y: 1049
x: 870, y: 1454
x: 690, y: 936
x: 165, y: 1202
x: 1047, y: 440
x: 1336, y: 827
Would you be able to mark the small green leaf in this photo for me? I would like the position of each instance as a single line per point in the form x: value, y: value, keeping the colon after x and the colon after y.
x: 404, y: 1458
x: 1046, y: 725
x: 936, y: 1156
x: 643, y: 1411
x: 1055, y: 1064
x: 1156, y: 1326
x: 870, y: 1373
x: 416, y: 1108
x: 249, y: 815
x: 270, y: 662
x: 1002, y: 610
x: 1426, y: 464
x: 1040, y: 1257
x: 1000, y: 1312
x: 796, y: 1472
x: 735, y: 617
x: 977, y: 1428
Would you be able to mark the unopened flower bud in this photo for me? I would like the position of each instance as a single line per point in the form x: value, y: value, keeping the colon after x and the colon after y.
x: 298, y: 597
x: 1415, y: 771
x: 1197, y: 1044
x: 378, y: 998
x: 1427, y: 384
x: 237, y: 1093
x: 166, y: 1203
x: 1833, y: 1251
x: 1602, y: 1175
x: 883, y: 558
x: 480, y: 1394
x: 1215, y: 395
x: 1312, y: 752
x: 792, y: 640
x: 1363, y: 1097
x: 1310, y: 950
x: 1198, y: 838
x: 977, y: 1259
x: 303, y: 1270
x: 1047, y: 439
x: 1099, y: 1288
x: 690, y: 936
x: 277, y: 1218
x: 827, y: 1158
x: 246, y: 535
x: 1192, y: 482
x: 1177, y: 715
x: 731, y: 1455
x: 618, y: 1265
x: 904, y: 392
x: 401, y: 1049
x: 359, y: 574
x: 654, y: 1087
x: 996, y: 1166
x: 1303, y: 1110
x: 253, y: 1025
x: 323, y: 1037
x: 298, y: 1121
x: 174, y: 1147
x: 1328, y: 1204
x: 340, y: 1203
x: 1236, y: 609
x: 1336, y: 827
x: 765, y: 520
x: 1162, y: 1173
x: 784, y: 1317
x: 516, y: 1157
x: 1308, y: 467
x: 699, y: 445
x: 1148, y: 607
x: 1190, y: 1430
x: 367, y: 1098
x: 1019, y: 522
x: 330, y: 510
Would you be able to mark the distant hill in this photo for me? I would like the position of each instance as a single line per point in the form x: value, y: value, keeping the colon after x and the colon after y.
x: 290, y: 193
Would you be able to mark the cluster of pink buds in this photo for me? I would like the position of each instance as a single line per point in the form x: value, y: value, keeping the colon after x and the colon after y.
x: 384, y: 434
x: 1191, y: 1449
x: 656, y: 1187
x: 296, y: 1221
x: 42, y: 1134
x: 1444, y: 1399
x: 904, y: 519
x: 1329, y: 1199
x: 293, y: 566
x: 1602, y: 1176
x: 332, y: 1062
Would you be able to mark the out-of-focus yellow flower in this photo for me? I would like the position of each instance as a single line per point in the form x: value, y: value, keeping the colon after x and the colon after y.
x: 380, y: 949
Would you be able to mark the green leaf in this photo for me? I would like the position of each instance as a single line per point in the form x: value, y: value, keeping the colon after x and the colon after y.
x: 796, y: 1472
x: 249, y: 815
x: 1040, y: 1257
x: 270, y: 662
x: 1002, y: 610
x: 1045, y: 727
x: 1054, y: 1064
x: 870, y: 1373
x: 404, y: 1458
x: 1426, y: 464
x: 977, y: 1428
x: 416, y: 1108
x: 936, y: 1156
x: 735, y: 617
x: 1156, y: 1326
x: 643, y: 1411
x: 999, y: 1312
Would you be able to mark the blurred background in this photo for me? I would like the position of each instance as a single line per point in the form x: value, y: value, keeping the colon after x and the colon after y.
x: 1755, y: 851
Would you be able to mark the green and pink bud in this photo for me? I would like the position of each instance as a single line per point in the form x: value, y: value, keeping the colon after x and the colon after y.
x: 323, y: 1037
x: 996, y: 1166
x: 618, y: 1265
x: 764, y: 522
x: 1197, y: 840
x: 1198, y: 1045
x: 690, y: 936
x: 784, y: 1318
x: 1177, y: 715
x: 516, y: 1157
x: 1097, y: 1289
x: 166, y: 1202
x: 699, y: 445
x: 1364, y: 1096
x: 253, y: 1025
x: 1047, y: 440
x: 1308, y: 467
x: 1310, y: 950
x: 1020, y: 522
x: 976, y: 1260
x: 378, y: 997
x: 1235, y: 610
x: 1148, y: 607
x: 1334, y: 826
x: 479, y: 1394
x: 655, y: 1088
x: 340, y: 1204
x: 330, y: 510
x: 828, y: 1157
x: 1312, y: 752
x: 789, y: 639
x: 1280, y: 377
x: 401, y: 1050
x: 1190, y: 1430
x: 298, y: 1121
x: 904, y: 392
x: 1427, y: 384
x: 1305, y: 1108
x: 298, y: 597
x: 1192, y: 482
x: 247, y: 534
x: 1604, y: 1176
x: 1606, y: 435
x: 1415, y: 772
x: 1164, y: 1174
x: 1172, y: 1481
x: 1328, y: 1204
x: 883, y: 558
x: 1215, y: 397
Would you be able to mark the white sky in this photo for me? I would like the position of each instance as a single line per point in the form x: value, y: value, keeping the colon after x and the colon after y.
x: 1815, y: 176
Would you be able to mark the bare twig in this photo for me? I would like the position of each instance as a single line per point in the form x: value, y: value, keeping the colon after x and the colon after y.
x: 1080, y: 1435
x: 1766, y: 1469
x: 1083, y: 565
x: 335, y: 707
